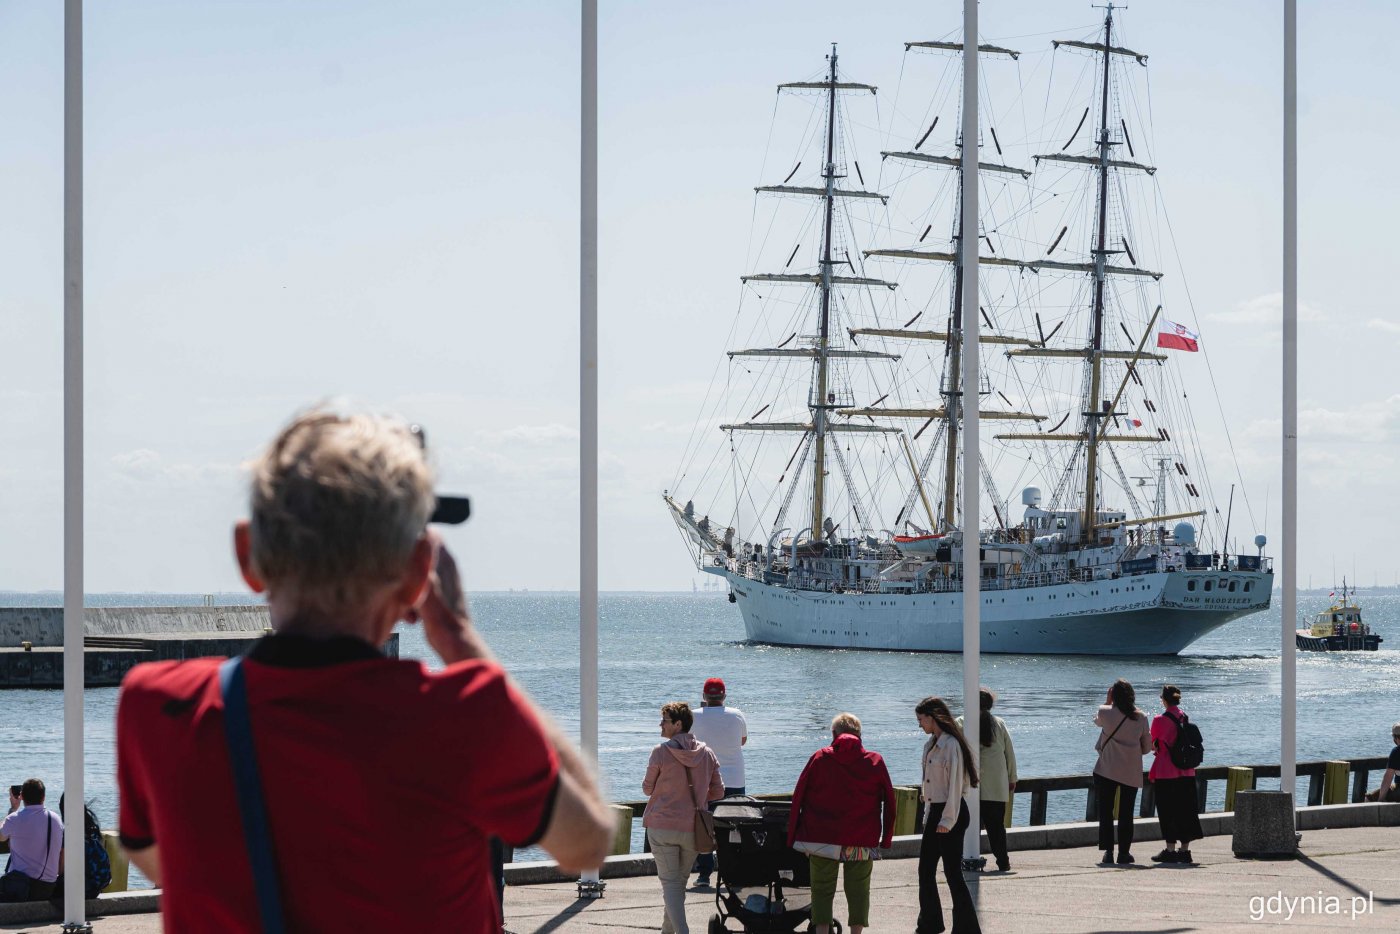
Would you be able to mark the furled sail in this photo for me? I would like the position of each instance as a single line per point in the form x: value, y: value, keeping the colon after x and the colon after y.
x: 1038, y: 265
x: 825, y: 86
x: 936, y: 336
x: 958, y: 47
x: 807, y: 426
x: 812, y: 352
x: 1100, y: 47
x: 940, y: 257
x: 1093, y: 161
x: 813, y: 279
x: 954, y: 163
x: 819, y: 192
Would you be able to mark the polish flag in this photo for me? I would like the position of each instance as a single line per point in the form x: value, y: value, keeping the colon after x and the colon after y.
x: 1175, y: 336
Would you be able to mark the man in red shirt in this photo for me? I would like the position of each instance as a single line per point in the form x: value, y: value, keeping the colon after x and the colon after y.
x: 382, y: 781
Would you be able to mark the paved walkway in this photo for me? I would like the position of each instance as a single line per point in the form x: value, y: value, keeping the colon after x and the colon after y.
x: 1049, y: 892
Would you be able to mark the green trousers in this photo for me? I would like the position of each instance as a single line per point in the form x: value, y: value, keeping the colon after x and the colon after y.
x: 856, y: 885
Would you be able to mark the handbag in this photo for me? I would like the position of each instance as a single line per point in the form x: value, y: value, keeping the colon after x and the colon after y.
x: 704, y: 820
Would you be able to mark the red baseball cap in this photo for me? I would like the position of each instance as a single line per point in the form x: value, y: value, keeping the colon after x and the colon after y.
x: 714, y: 687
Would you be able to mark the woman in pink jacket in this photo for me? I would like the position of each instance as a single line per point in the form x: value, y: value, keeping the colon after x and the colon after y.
x: 682, y: 778
x: 1173, y: 788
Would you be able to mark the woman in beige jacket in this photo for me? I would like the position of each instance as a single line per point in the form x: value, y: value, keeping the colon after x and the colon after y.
x: 1124, y: 738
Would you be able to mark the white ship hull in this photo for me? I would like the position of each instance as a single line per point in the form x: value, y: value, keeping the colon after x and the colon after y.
x: 1151, y: 614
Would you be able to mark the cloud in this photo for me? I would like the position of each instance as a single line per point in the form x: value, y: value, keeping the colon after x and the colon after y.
x: 539, y: 434
x: 1375, y: 421
x: 1380, y: 324
x: 1264, y: 309
x: 142, y: 466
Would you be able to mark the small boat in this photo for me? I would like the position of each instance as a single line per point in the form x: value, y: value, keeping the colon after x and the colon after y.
x: 920, y: 544
x: 1339, y: 629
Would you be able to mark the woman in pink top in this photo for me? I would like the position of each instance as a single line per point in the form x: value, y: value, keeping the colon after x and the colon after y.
x: 1174, y: 788
x: 1123, y: 741
x: 682, y: 777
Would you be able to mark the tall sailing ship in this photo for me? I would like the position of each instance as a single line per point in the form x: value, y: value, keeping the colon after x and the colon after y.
x: 854, y: 394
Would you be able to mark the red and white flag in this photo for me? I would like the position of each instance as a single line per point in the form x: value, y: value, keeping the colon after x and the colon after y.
x: 1175, y: 336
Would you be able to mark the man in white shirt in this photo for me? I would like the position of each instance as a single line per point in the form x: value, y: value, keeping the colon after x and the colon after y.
x: 724, y: 730
x: 35, y: 835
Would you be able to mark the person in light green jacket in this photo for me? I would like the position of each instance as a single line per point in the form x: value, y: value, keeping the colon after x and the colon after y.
x: 998, y: 770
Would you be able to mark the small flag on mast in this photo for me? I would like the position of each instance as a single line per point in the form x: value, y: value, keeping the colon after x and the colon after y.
x: 1175, y: 336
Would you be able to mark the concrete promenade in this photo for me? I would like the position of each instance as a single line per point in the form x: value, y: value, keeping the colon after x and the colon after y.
x: 1048, y: 892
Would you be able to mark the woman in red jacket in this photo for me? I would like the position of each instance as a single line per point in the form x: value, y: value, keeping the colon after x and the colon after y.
x: 842, y: 810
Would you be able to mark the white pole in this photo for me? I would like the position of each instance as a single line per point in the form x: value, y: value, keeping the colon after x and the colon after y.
x: 73, y: 868
x: 588, y: 389
x: 1288, y: 660
x: 971, y: 537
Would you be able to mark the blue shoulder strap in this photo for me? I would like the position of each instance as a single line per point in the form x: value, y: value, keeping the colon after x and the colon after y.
x: 238, y: 729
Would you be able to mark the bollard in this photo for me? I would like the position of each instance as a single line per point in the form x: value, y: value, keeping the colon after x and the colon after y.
x: 1264, y: 822
x: 1334, y: 782
x: 622, y: 840
x: 906, y: 811
x: 1237, y: 778
x: 121, y: 867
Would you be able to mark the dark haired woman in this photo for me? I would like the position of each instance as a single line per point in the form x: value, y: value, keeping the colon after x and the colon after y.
x: 682, y: 777
x: 949, y: 772
x: 998, y: 768
x: 1174, y: 788
x: 1123, y: 741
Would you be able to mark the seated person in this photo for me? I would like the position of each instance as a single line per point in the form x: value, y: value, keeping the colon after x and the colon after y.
x: 35, y: 835
x: 1390, y: 788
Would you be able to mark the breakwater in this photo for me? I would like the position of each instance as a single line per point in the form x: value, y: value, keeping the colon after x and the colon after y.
x: 42, y: 626
x: 116, y: 638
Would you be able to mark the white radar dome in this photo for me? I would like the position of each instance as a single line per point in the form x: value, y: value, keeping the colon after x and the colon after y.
x: 1030, y: 496
x: 1260, y: 541
x: 1184, y: 533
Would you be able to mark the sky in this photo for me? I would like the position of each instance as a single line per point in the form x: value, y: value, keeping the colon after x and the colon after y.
x: 378, y: 203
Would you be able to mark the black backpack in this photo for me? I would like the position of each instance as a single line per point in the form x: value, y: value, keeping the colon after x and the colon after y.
x: 1189, y: 750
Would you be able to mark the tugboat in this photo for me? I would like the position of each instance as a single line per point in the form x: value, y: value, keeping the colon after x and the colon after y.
x: 1339, y: 629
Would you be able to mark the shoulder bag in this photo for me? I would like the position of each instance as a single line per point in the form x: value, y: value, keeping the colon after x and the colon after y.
x: 257, y: 837
x: 1102, y: 744
x: 704, y: 820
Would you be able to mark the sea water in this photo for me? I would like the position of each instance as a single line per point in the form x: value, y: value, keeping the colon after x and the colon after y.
x: 660, y: 647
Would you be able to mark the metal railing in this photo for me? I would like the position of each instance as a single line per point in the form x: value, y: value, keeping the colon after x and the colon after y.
x: 1335, y: 782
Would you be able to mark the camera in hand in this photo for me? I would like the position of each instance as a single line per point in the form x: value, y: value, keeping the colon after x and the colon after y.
x: 451, y: 510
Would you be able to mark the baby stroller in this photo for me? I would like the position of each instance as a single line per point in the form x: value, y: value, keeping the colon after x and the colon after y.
x: 764, y: 884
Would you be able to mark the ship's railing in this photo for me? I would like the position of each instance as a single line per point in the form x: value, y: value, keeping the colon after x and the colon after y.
x: 953, y: 582
x: 1329, y: 782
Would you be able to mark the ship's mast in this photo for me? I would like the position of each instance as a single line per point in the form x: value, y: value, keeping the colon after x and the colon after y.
x: 820, y: 406
x: 952, y: 394
x: 1093, y: 413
